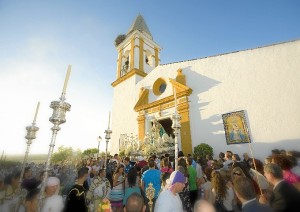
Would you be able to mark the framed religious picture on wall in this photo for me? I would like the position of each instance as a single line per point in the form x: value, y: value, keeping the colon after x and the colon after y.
x: 236, y: 129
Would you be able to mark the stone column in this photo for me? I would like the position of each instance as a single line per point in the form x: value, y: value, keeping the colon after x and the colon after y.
x: 185, y: 131
x: 141, y: 124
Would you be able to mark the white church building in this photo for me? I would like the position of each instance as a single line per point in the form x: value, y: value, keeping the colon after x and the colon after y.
x: 263, y: 82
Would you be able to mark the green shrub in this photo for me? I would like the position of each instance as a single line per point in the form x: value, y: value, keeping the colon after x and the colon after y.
x: 202, y: 150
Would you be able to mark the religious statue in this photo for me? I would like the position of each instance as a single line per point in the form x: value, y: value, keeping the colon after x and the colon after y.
x: 236, y: 134
x: 166, y: 138
x: 157, y: 131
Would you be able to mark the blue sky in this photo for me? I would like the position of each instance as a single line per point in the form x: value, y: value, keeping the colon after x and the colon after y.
x: 39, y: 39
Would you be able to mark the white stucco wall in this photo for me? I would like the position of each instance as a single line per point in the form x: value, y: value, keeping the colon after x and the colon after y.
x: 124, y: 118
x: 263, y: 81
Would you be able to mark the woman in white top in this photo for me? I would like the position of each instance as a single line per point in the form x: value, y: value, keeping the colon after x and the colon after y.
x: 206, y: 190
x: 222, y: 192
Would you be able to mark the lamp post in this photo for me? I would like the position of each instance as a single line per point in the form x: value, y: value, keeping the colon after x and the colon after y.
x: 107, y: 138
x: 99, y: 139
x: 58, y: 117
x: 176, y: 126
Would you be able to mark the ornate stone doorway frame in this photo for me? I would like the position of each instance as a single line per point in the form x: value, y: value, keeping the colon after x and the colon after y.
x: 144, y: 109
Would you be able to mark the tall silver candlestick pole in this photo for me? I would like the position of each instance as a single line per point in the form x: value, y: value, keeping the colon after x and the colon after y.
x: 176, y: 126
x: 107, y: 138
x: 2, y: 155
x: 99, y: 139
x: 31, y: 131
x: 58, y: 117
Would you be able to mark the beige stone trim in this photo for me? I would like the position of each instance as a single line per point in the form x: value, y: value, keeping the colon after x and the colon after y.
x: 141, y: 124
x: 128, y: 75
x: 185, y: 130
x: 119, y: 63
x: 141, y: 54
x: 182, y: 92
x: 131, y: 63
x: 156, y: 56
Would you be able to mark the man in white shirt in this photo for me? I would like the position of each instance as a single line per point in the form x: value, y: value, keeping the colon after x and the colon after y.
x: 169, y: 200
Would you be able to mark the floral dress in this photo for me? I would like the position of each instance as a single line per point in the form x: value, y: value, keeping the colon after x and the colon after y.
x: 99, y: 189
x: 185, y: 198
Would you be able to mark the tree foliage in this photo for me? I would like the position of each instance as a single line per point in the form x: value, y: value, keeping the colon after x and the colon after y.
x: 122, y: 153
x: 202, y: 150
x: 5, y: 164
x: 65, y: 154
x: 102, y: 154
x: 90, y: 152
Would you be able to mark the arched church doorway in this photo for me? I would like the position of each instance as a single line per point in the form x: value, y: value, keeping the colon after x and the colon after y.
x: 167, y: 125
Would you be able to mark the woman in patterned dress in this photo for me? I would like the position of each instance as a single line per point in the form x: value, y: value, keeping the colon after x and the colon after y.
x: 117, y: 192
x: 99, y: 190
x: 185, y: 194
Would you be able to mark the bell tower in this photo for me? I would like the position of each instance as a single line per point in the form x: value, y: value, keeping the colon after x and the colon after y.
x: 138, y: 54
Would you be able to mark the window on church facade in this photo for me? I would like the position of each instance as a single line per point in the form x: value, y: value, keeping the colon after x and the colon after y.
x: 159, y: 86
x: 162, y: 87
x: 125, y: 67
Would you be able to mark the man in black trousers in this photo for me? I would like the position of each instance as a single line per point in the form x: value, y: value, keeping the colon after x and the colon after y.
x: 75, y: 200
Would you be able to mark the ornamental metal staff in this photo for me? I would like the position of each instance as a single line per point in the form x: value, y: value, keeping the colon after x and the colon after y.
x: 107, y: 137
x: 99, y: 139
x: 31, y: 130
x: 176, y: 126
x: 58, y: 117
x: 2, y: 155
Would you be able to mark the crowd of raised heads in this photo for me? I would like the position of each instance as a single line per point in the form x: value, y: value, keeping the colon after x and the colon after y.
x: 230, y: 182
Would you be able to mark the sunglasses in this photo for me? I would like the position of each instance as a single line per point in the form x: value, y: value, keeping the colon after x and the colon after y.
x: 236, y: 173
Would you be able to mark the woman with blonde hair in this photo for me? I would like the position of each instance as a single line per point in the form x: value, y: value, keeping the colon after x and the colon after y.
x: 237, y: 172
x: 223, y: 195
x: 244, y: 171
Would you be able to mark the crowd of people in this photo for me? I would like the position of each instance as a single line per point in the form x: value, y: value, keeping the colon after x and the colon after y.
x: 227, y: 183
